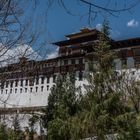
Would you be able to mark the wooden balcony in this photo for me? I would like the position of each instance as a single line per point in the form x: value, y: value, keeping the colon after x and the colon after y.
x: 49, y: 71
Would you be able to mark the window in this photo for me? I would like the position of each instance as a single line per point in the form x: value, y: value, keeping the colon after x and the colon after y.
x: 133, y: 72
x: 56, y: 63
x: 62, y: 62
x: 137, y: 61
x: 41, y: 66
x: 44, y: 65
x: 54, y: 78
x: 16, y: 83
x: 15, y: 90
x: 80, y: 76
x: 73, y: 61
x: 124, y: 62
x: 47, y: 87
x: 69, y: 51
x: 81, y: 61
x: 65, y: 62
x: 31, y: 82
x: 36, y: 89
x: 25, y: 90
x: 137, y: 52
x: 21, y: 82
x: 26, y: 82
x: 42, y: 80
x: 7, y: 83
x: 21, y: 90
x: 2, y: 85
x: 31, y: 89
x: 11, y: 84
x: 77, y: 61
x: 42, y: 88
x: 48, y: 79
x: 123, y: 53
x: 6, y: 91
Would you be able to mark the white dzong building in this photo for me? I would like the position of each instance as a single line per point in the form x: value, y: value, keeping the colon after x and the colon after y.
x: 26, y: 84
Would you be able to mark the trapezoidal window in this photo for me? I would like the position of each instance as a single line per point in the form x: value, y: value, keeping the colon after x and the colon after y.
x: 42, y: 80
x: 48, y: 79
x: 136, y: 56
x: 36, y: 89
x: 54, y: 78
x: 42, y: 88
x: 26, y: 82
x: 11, y: 84
x: 25, y: 90
x: 136, y: 52
x: 31, y: 82
x: 21, y: 82
x: 7, y: 83
x: 16, y: 83
x: 47, y: 87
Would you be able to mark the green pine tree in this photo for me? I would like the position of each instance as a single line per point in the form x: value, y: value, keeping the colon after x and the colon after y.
x: 15, y: 133
x: 62, y: 105
x: 3, y: 132
x: 105, y: 112
x: 31, y: 130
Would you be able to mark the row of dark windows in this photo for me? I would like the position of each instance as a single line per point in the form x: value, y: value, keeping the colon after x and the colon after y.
x: 29, y: 82
x: 73, y: 61
x: 44, y: 65
x: 32, y: 82
x: 25, y: 90
x: 65, y: 62
x: 69, y: 51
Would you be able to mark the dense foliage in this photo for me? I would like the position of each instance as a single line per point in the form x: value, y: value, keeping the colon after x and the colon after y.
x: 102, y: 112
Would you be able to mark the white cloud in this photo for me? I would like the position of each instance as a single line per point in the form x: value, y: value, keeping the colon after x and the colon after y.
x: 99, y: 26
x: 52, y: 55
x: 8, y: 56
x: 132, y: 23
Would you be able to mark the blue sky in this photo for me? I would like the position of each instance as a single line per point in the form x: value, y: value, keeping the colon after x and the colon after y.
x: 60, y: 23
x: 56, y: 22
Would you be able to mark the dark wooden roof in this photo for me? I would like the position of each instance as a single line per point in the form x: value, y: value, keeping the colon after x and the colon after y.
x: 80, y: 39
x: 82, y: 32
x: 88, y: 35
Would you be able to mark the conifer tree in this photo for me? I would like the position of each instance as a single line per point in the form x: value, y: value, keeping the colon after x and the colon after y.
x: 3, y: 132
x: 62, y: 105
x: 15, y: 133
x: 104, y: 111
x: 31, y: 130
x: 16, y: 126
